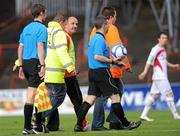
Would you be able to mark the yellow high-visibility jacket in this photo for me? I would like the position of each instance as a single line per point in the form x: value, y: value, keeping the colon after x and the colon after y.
x: 57, y: 59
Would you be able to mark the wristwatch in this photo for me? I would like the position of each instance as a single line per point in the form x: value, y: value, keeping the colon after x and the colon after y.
x: 42, y: 65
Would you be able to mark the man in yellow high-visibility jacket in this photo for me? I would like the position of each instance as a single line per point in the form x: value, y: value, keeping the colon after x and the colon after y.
x: 57, y: 63
x: 73, y: 90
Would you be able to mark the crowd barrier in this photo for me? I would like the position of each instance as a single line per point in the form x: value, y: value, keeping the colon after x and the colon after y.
x: 134, y: 97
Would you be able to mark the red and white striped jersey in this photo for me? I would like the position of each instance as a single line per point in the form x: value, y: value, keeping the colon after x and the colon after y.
x: 158, y: 59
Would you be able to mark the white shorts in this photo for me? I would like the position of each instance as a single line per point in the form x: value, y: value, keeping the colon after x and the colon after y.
x: 160, y: 87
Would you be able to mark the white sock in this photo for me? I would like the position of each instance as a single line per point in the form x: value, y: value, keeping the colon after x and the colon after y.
x: 171, y: 105
x: 147, y: 106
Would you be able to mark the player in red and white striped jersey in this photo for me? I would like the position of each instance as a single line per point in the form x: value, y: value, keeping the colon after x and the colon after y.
x: 160, y: 85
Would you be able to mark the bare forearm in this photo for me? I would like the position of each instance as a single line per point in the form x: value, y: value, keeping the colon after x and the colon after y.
x: 103, y: 59
x: 172, y: 65
x: 20, y: 53
x: 145, y: 71
x: 41, y: 54
x: 146, y: 68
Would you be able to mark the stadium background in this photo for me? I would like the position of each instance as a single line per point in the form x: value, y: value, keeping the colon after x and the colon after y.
x: 137, y: 24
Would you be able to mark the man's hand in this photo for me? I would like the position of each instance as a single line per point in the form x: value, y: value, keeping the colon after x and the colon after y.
x: 129, y: 70
x: 118, y: 63
x: 21, y: 73
x: 72, y: 72
x: 142, y: 76
x: 42, y: 72
x: 119, y: 59
x: 176, y: 66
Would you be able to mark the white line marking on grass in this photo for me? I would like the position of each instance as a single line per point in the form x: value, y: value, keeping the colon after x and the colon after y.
x: 130, y: 131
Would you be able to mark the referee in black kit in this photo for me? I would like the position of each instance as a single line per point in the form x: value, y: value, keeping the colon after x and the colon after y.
x: 100, y: 80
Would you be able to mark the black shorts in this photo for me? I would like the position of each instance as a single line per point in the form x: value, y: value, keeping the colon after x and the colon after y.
x: 101, y: 83
x: 31, y: 68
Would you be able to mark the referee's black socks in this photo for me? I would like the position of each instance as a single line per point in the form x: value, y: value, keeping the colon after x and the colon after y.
x: 28, y: 110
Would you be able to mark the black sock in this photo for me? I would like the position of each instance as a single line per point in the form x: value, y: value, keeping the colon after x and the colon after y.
x: 83, y: 111
x: 28, y: 110
x: 38, y: 118
x: 119, y: 112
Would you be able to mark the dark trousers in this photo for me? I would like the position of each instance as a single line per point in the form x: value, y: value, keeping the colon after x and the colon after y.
x: 74, y: 92
x: 57, y: 93
x: 75, y: 95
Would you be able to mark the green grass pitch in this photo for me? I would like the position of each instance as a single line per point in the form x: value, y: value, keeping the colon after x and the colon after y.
x: 164, y: 125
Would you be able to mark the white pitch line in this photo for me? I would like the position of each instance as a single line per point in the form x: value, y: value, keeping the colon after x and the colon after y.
x: 131, y: 131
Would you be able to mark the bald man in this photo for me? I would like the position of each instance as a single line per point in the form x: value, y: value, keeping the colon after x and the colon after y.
x: 71, y: 25
x: 73, y: 90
